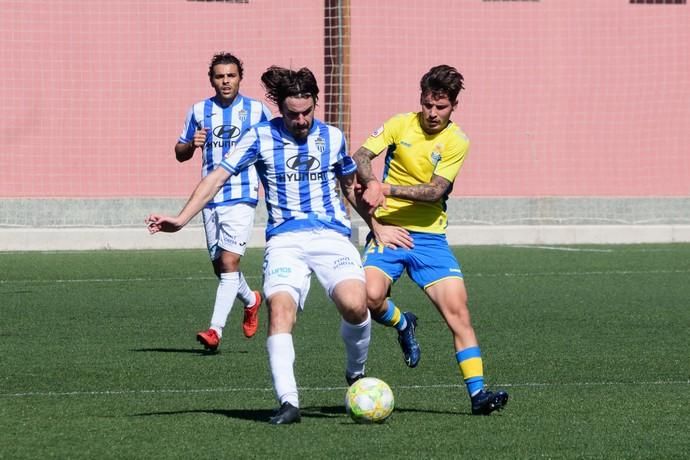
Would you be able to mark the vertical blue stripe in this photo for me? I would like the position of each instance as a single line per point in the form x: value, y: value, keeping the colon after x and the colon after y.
x: 208, y: 147
x: 326, y: 165
x: 305, y: 204
x: 262, y: 114
x: 247, y: 107
x: 246, y: 124
x: 225, y: 147
x: 344, y: 159
x: 390, y: 152
x: 193, y: 124
x: 279, y: 167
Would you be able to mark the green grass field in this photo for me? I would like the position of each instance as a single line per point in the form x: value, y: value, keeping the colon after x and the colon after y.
x: 592, y: 343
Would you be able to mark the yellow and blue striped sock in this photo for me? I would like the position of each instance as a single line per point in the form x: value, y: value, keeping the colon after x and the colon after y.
x: 393, y: 317
x: 471, y: 368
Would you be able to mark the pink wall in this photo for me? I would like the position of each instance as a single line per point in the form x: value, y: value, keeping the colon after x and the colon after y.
x: 564, y: 98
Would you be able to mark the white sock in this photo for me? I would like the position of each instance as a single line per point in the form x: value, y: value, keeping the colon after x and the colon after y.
x: 225, y: 296
x: 281, y: 358
x: 245, y: 293
x: 356, y: 338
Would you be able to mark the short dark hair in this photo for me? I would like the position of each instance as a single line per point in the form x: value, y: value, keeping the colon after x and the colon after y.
x: 281, y: 83
x: 225, y: 58
x: 442, y: 80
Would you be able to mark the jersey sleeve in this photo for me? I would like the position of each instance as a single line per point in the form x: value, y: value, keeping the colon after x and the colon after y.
x: 266, y: 114
x: 243, y: 154
x: 385, y: 135
x: 345, y: 165
x: 188, y: 128
x: 452, y: 157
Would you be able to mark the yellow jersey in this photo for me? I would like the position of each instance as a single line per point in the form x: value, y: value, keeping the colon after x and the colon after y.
x: 412, y: 158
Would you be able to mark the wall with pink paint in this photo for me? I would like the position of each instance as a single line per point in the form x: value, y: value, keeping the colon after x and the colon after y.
x: 564, y: 98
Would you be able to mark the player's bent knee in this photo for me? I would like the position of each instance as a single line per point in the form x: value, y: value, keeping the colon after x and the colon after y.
x: 355, y: 315
x: 376, y: 301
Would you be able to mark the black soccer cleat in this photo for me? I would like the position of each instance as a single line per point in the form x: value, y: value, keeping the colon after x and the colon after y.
x: 408, y: 341
x: 286, y: 414
x: 485, y: 402
x: 353, y: 378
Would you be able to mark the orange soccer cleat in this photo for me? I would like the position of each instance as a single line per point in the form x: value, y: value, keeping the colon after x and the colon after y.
x: 209, y: 339
x: 251, y: 317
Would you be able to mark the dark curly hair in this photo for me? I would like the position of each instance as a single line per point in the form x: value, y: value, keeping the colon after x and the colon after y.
x: 225, y: 58
x: 281, y: 83
x: 442, y: 80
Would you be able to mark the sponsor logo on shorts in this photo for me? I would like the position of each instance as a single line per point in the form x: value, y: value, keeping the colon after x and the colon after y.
x: 343, y: 262
x: 234, y: 240
x: 280, y: 272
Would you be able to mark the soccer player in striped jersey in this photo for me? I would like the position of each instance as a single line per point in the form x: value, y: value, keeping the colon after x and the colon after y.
x: 300, y: 161
x: 214, y: 125
x: 424, y: 153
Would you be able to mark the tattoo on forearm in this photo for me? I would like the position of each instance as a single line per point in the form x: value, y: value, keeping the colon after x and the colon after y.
x: 364, y: 172
x: 430, y: 192
x: 425, y: 192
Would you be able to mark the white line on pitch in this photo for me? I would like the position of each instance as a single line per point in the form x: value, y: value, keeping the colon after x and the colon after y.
x: 560, y: 248
x: 334, y: 388
x: 256, y: 277
x: 117, y: 280
x: 588, y: 273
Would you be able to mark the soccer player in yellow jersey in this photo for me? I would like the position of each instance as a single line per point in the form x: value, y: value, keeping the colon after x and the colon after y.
x: 424, y: 153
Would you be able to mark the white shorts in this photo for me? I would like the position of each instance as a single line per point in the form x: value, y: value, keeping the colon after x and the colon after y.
x: 291, y: 257
x: 228, y: 228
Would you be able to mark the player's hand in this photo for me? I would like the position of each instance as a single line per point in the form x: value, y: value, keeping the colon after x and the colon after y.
x: 200, y: 137
x: 158, y: 223
x: 392, y: 236
x: 373, y: 196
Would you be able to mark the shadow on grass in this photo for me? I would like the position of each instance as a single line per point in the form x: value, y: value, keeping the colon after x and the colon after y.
x: 254, y: 415
x: 192, y: 351
x: 262, y: 415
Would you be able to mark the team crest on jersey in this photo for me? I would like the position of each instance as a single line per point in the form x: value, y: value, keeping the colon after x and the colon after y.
x: 378, y: 132
x: 320, y: 144
x: 436, y: 155
x: 242, y: 114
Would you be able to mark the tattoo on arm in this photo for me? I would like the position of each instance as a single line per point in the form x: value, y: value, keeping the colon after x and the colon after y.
x: 433, y: 191
x: 363, y: 159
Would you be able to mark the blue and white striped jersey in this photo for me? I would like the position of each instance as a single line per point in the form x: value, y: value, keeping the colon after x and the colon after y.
x: 299, y: 177
x: 225, y: 125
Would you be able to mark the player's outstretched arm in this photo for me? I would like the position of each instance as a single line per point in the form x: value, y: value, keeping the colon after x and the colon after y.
x: 372, y: 195
x: 203, y: 193
x: 160, y: 223
x: 430, y: 192
x: 387, y: 235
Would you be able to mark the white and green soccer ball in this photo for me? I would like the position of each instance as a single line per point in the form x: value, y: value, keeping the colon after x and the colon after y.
x: 369, y: 400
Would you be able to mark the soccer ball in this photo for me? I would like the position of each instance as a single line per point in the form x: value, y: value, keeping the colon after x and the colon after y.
x: 369, y: 400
